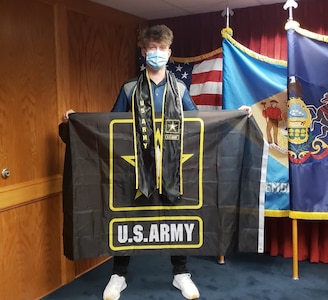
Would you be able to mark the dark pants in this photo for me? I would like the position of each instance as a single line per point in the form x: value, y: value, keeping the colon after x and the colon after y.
x: 121, y: 263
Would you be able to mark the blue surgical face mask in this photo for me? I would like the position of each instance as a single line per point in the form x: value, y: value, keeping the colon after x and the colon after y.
x: 157, y: 59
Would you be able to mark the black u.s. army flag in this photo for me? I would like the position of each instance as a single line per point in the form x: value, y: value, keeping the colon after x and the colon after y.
x: 220, y: 209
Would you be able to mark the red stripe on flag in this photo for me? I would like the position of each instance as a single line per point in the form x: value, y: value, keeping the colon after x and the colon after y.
x: 214, y: 76
x: 208, y: 99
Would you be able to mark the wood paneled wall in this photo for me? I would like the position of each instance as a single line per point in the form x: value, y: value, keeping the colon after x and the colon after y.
x: 27, y: 91
x: 54, y: 55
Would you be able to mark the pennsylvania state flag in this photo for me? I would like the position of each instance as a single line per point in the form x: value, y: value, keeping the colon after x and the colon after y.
x: 308, y: 122
x: 219, y: 211
x: 261, y: 82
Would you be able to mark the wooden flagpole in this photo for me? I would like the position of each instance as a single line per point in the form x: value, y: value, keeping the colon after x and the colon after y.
x: 225, y: 13
x: 290, y: 4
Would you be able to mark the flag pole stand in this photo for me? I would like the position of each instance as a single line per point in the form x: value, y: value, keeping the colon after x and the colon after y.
x: 295, y: 249
x: 221, y: 260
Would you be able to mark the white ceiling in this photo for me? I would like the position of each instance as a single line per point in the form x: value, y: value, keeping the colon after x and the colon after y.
x: 161, y: 9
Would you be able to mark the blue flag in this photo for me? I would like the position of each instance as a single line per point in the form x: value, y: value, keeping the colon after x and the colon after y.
x: 261, y: 82
x: 308, y: 122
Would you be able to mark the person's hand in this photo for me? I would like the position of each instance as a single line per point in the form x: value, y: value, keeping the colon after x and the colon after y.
x: 66, y: 114
x: 248, y: 109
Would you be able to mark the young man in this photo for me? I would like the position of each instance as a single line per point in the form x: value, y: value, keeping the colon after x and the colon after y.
x: 161, y: 92
x: 154, y: 83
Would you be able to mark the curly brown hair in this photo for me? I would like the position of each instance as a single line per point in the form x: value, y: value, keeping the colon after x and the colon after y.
x: 157, y: 33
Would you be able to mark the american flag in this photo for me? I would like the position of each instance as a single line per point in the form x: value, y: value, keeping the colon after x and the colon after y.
x: 202, y: 76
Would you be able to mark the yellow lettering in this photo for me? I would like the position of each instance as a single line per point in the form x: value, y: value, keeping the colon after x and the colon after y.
x: 145, y: 137
x: 145, y: 145
x: 143, y: 121
x: 144, y: 129
x: 142, y: 102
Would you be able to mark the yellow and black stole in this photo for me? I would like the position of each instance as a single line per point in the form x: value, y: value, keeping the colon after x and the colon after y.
x: 158, y: 160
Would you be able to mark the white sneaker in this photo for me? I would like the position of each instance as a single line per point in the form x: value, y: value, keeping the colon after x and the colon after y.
x: 184, y: 283
x: 114, y: 287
